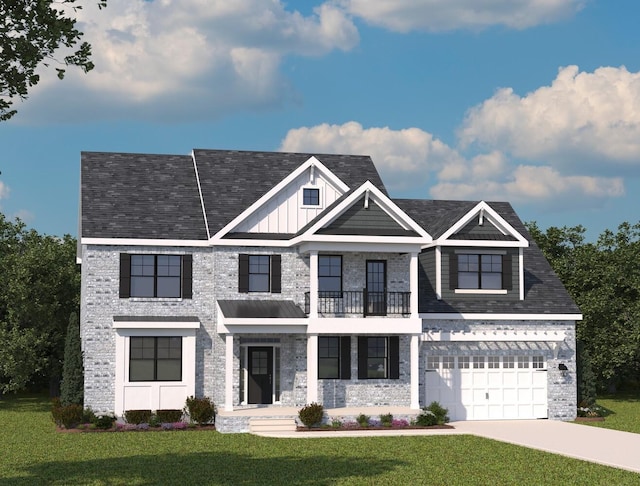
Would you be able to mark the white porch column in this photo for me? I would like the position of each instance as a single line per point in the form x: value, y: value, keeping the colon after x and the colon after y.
x: 312, y: 368
x: 313, y: 284
x: 415, y: 372
x: 413, y: 283
x: 228, y: 373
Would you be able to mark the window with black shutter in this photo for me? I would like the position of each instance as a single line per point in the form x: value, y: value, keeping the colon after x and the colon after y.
x: 334, y: 357
x: 259, y: 273
x: 378, y: 357
x: 156, y: 276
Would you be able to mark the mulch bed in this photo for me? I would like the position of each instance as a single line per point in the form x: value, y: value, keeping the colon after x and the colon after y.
x: 589, y: 419
x: 150, y: 429
x: 300, y: 428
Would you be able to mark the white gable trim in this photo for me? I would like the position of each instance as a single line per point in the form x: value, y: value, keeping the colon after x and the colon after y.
x: 312, y: 162
x: 376, y: 195
x: 484, y: 211
x: 142, y: 242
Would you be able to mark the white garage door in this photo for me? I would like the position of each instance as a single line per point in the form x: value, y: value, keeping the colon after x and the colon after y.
x: 488, y: 387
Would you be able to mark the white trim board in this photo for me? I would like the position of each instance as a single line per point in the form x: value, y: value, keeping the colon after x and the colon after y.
x: 500, y: 317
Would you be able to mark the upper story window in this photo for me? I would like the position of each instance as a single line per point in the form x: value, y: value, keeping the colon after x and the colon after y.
x: 310, y: 196
x: 155, y: 359
x: 155, y: 276
x: 259, y: 273
x: 481, y: 272
x: 329, y: 273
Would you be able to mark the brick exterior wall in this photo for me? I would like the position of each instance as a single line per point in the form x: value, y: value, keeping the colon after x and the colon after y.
x: 215, y: 277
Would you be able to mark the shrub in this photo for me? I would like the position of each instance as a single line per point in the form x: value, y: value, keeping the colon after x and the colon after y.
x: 201, y: 410
x: 426, y: 418
x: 363, y: 420
x: 434, y: 414
x: 169, y: 415
x: 88, y: 416
x: 386, y: 419
x: 137, y: 416
x: 155, y: 421
x: 67, y: 416
x: 311, y: 414
x: 72, y: 386
x: 336, y: 423
x: 104, y: 422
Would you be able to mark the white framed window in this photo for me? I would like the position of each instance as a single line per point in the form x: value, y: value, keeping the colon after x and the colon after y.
x: 311, y: 197
x: 508, y: 362
x: 463, y: 362
x: 537, y: 362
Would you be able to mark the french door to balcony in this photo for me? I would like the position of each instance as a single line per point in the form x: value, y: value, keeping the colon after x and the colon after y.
x: 376, y: 304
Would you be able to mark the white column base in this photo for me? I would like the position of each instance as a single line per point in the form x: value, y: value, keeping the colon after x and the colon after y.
x: 312, y: 368
x: 228, y: 373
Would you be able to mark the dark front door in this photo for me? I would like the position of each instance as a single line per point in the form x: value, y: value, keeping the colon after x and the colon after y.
x: 260, y: 375
x: 376, y: 287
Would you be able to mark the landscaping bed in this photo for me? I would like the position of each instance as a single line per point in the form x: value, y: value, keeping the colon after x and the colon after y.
x: 329, y: 428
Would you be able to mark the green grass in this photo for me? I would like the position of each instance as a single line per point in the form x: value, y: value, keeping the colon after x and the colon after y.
x: 32, y: 452
x: 622, y: 413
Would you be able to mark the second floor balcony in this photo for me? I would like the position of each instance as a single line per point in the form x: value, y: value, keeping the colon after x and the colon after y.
x: 355, y: 303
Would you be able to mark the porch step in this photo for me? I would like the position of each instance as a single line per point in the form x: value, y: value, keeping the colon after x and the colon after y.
x: 285, y: 424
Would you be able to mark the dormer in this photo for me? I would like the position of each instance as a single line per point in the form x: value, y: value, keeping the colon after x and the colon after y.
x: 480, y: 257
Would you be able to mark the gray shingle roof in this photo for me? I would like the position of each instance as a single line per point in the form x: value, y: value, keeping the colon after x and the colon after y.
x: 239, y: 178
x: 140, y: 196
x: 544, y: 292
x: 156, y: 196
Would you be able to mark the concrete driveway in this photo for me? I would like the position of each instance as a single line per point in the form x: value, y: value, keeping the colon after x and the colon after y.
x: 594, y: 444
x: 602, y: 446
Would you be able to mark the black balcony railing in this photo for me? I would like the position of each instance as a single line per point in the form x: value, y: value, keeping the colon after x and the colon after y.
x: 360, y: 302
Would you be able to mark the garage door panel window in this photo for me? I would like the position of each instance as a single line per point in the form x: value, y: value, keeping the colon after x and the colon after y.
x: 508, y: 362
x: 478, y: 362
x: 523, y: 361
x: 448, y: 362
x: 493, y: 362
x: 538, y: 362
x: 463, y: 362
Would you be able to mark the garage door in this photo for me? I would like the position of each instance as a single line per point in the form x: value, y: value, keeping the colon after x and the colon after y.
x: 488, y: 387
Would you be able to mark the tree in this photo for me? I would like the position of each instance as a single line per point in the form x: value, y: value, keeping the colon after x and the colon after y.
x: 604, y: 280
x: 40, y: 289
x: 72, y: 386
x: 31, y: 31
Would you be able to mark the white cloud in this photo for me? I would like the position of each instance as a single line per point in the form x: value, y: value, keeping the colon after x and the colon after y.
x: 542, y: 185
x: 444, y: 15
x: 191, y: 58
x: 581, y: 119
x: 411, y: 158
x: 4, y: 190
x: 404, y: 158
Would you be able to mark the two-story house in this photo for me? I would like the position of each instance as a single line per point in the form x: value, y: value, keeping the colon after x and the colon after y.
x: 280, y: 279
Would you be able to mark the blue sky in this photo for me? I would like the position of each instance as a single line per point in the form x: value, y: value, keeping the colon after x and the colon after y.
x: 536, y: 102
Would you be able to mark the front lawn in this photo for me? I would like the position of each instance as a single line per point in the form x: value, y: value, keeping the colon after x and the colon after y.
x: 621, y: 413
x: 34, y: 453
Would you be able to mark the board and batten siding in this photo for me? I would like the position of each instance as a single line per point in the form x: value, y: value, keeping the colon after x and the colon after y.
x: 285, y: 213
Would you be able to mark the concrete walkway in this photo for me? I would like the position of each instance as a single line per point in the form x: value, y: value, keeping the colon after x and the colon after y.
x: 594, y: 444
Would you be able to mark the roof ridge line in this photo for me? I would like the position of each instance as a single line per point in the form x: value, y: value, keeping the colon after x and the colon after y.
x: 204, y: 211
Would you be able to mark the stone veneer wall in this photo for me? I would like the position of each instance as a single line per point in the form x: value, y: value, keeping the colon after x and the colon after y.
x: 561, y: 390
